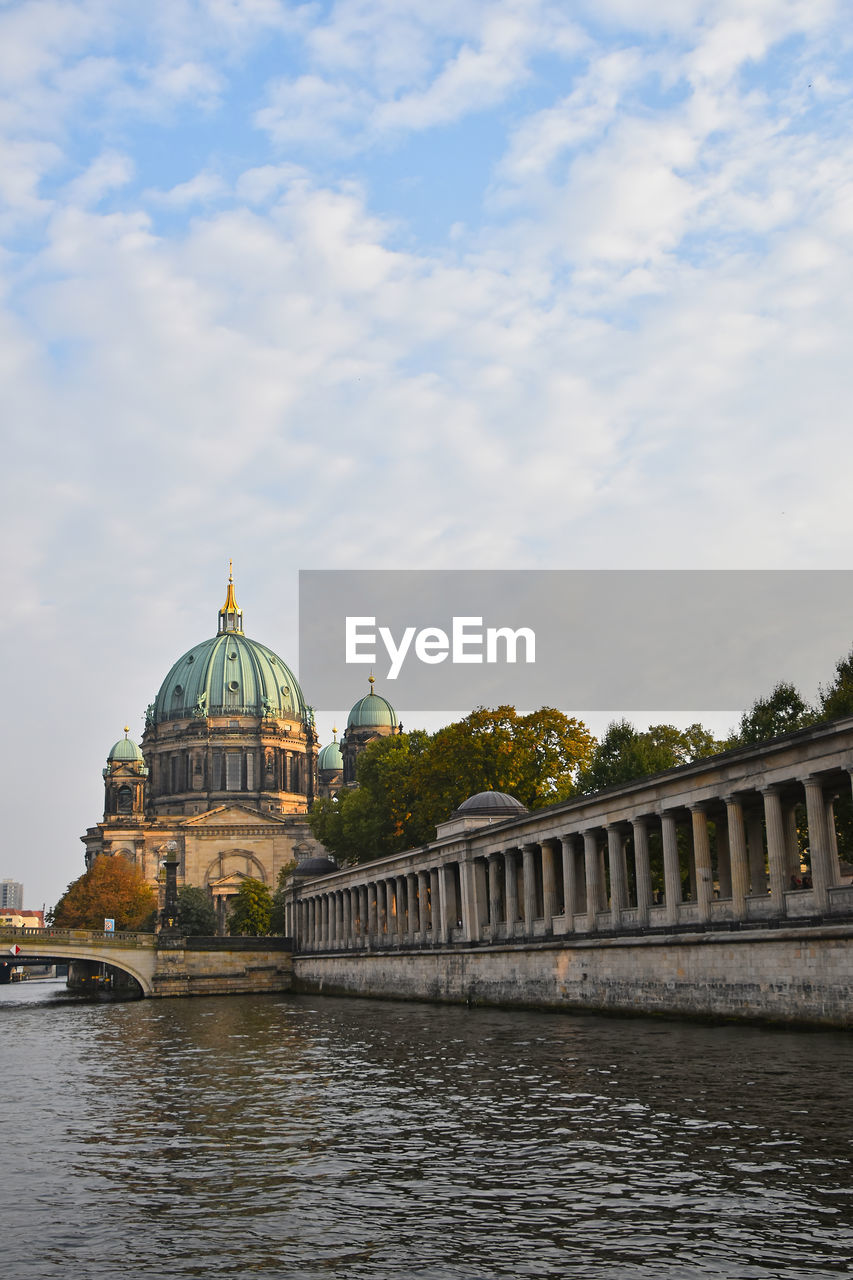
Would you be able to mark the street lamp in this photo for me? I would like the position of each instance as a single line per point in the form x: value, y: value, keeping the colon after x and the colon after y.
x: 169, y: 915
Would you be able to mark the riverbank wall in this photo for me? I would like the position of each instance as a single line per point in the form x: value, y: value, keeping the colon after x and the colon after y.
x: 797, y: 975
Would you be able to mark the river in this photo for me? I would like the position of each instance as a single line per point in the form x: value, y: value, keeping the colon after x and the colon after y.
x: 317, y: 1137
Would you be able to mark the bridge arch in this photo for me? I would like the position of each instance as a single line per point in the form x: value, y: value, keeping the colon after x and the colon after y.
x: 136, y: 959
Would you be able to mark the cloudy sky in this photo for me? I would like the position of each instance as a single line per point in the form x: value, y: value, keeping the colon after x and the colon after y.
x: 379, y: 283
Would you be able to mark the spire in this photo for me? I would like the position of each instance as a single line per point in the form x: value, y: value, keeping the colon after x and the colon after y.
x: 230, y: 616
x: 371, y: 680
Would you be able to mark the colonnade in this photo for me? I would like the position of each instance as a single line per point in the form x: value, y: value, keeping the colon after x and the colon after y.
x: 639, y: 859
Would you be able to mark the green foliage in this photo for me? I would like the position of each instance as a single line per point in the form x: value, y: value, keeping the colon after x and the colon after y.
x: 408, y: 783
x: 251, y: 909
x: 196, y: 912
x: 625, y: 753
x: 112, y: 888
x: 782, y: 712
x: 837, y: 699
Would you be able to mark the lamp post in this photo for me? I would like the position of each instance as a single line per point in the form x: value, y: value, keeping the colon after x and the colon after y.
x: 169, y: 915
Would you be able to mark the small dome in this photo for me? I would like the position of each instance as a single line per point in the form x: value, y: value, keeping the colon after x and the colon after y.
x: 125, y: 749
x: 491, y: 804
x: 330, y: 757
x: 316, y: 866
x: 372, y: 712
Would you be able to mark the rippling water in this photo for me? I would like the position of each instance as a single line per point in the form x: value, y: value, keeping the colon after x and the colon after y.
x: 316, y: 1137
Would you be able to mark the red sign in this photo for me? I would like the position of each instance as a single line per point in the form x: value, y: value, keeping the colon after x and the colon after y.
x: 16, y: 950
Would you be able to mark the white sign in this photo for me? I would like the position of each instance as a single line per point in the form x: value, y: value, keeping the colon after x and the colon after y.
x: 16, y: 950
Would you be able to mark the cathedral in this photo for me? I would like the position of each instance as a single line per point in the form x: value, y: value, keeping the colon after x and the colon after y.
x: 228, y: 768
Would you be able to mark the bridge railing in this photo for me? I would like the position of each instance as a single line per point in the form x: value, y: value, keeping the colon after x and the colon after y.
x: 79, y: 935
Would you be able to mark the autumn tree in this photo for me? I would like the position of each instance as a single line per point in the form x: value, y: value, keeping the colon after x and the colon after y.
x: 112, y: 888
x: 251, y: 909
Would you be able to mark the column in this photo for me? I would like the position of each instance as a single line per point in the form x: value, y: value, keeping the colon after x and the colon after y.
x: 423, y: 904
x: 339, y: 919
x: 436, y: 916
x: 618, y: 886
x: 364, y: 914
x: 594, y: 881
x: 776, y: 853
x: 671, y: 868
x: 821, y: 864
x: 738, y: 856
x: 372, y: 922
x: 400, y: 882
x: 549, y: 885
x: 724, y: 869
x: 381, y: 911
x: 346, y: 919
x: 702, y: 861
x: 529, y: 883
x: 481, y: 893
x: 755, y: 839
x: 473, y: 898
x: 642, y: 874
x: 494, y: 892
x: 412, y: 900
x: 450, y: 907
x: 570, y: 884
x: 511, y: 891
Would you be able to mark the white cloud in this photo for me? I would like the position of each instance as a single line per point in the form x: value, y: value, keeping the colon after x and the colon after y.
x: 631, y: 352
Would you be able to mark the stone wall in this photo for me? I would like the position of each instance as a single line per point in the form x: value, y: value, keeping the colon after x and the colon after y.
x: 195, y: 968
x: 780, y: 975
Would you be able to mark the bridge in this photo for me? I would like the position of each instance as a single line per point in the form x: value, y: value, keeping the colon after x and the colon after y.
x: 161, y: 965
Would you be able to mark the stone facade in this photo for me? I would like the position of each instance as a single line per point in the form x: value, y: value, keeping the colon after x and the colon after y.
x: 797, y: 975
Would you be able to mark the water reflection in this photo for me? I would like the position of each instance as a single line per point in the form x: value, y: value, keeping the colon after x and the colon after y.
x: 312, y: 1137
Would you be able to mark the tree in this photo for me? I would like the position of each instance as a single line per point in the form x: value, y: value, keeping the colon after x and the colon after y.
x: 251, y: 909
x: 837, y: 699
x: 196, y: 912
x: 408, y: 783
x: 626, y: 753
x: 112, y: 888
x: 783, y: 711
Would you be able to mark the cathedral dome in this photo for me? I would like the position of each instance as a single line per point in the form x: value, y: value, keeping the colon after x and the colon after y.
x: 330, y: 757
x: 124, y: 750
x: 229, y: 674
x: 372, y: 712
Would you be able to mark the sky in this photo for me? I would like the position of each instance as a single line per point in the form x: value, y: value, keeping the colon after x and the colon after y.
x: 378, y: 284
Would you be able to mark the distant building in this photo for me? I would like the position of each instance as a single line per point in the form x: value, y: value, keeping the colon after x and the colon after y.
x: 20, y: 919
x: 11, y: 895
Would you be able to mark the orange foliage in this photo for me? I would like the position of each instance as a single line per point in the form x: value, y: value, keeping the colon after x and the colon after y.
x: 112, y: 889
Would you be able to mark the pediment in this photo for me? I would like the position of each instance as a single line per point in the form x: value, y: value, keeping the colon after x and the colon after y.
x: 227, y: 884
x: 234, y: 815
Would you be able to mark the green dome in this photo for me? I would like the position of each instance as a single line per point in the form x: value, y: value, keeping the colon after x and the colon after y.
x: 229, y: 674
x: 330, y: 757
x: 372, y: 712
x: 125, y: 749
